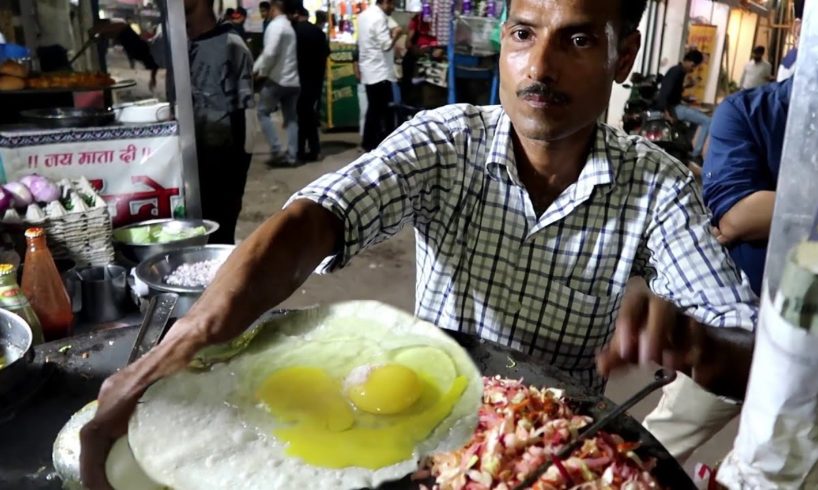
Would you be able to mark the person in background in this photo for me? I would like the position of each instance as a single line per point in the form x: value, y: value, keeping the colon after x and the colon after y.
x: 741, y: 170
x: 238, y: 19
x: 321, y: 20
x: 277, y: 71
x: 757, y: 71
x: 419, y: 39
x: 136, y: 48
x: 228, y: 15
x: 376, y: 62
x: 264, y: 12
x: 221, y: 81
x: 670, y: 99
x: 312, y: 52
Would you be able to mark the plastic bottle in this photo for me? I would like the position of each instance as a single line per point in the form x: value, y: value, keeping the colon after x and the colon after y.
x: 44, y: 288
x: 13, y: 299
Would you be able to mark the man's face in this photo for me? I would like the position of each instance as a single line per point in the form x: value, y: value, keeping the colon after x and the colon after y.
x: 265, y: 12
x: 388, y: 6
x: 757, y: 57
x: 689, y: 66
x: 558, y: 59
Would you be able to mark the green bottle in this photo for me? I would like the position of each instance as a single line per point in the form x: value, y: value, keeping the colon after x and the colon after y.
x: 13, y: 300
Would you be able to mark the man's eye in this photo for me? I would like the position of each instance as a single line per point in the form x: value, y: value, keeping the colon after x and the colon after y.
x: 581, y: 41
x: 521, y: 34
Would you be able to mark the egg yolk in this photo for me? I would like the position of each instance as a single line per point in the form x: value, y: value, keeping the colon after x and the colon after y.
x: 306, y: 395
x: 397, y: 409
x: 388, y: 390
x: 370, y: 447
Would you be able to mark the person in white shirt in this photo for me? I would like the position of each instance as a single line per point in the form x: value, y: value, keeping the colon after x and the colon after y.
x: 377, y: 66
x: 277, y: 69
x: 757, y: 72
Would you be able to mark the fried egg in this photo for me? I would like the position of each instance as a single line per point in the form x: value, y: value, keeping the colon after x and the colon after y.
x: 346, y: 396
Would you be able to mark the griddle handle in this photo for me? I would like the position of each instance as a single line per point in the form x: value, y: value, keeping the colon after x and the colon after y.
x: 154, y: 325
x: 661, y: 378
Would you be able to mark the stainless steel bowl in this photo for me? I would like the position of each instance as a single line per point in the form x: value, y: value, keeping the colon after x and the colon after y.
x: 154, y: 270
x: 15, y: 347
x: 138, y: 253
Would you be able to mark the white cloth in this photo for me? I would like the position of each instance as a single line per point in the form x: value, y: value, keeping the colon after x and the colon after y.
x: 376, y: 58
x: 785, y: 73
x: 2, y: 38
x: 756, y: 74
x: 687, y: 416
x: 278, y: 60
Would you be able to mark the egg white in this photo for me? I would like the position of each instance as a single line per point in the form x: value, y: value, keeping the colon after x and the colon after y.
x: 205, y: 430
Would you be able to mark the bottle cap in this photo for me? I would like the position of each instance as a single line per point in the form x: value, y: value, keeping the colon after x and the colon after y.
x: 34, y: 232
x: 6, y: 269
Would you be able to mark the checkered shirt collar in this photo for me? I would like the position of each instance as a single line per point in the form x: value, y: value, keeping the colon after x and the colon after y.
x: 598, y: 170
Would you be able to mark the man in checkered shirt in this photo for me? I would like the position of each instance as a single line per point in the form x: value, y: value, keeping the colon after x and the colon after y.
x: 531, y: 220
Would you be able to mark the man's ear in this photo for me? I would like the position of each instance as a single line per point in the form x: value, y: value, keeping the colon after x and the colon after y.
x: 628, y: 50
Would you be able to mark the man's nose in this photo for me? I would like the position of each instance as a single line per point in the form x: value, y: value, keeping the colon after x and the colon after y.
x: 544, y: 59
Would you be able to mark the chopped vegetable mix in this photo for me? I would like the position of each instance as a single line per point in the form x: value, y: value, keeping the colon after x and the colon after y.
x: 521, y: 427
x: 158, y: 233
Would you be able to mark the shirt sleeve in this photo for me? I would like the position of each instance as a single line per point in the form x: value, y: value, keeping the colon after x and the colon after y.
x: 733, y: 168
x: 272, y: 39
x: 381, y: 34
x: 396, y: 184
x: 687, y: 266
x: 241, y: 62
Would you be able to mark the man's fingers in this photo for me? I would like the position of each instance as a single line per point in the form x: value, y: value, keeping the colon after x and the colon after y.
x: 655, y: 335
x: 95, y: 446
x: 629, y: 320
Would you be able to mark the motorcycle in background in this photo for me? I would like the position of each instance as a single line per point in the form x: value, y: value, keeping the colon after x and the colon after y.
x: 639, y: 119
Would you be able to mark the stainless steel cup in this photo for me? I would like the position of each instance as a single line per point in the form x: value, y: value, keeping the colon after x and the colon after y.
x: 101, y: 291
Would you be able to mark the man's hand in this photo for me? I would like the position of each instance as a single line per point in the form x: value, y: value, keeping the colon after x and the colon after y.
x: 650, y: 329
x: 117, y: 401
x: 396, y: 32
x: 722, y: 239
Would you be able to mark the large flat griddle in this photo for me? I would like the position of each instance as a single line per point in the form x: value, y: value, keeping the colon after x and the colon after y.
x: 63, y: 380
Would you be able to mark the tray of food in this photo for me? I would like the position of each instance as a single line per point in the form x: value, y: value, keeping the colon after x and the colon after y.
x: 16, y: 78
x: 353, y: 395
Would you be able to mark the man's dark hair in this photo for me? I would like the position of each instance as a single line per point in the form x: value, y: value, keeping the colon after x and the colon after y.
x: 303, y: 12
x: 695, y: 56
x: 759, y: 50
x: 241, y: 11
x: 264, y: 5
x: 631, y: 14
x: 320, y: 17
x: 288, y: 7
x: 798, y: 5
x: 229, y: 12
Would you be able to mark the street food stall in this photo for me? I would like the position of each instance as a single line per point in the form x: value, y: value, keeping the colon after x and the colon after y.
x: 70, y: 122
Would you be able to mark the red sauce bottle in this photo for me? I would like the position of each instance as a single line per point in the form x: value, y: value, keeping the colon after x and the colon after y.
x: 44, y: 288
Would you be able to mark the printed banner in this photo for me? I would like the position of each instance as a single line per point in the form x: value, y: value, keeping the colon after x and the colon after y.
x: 703, y: 38
x: 139, y: 174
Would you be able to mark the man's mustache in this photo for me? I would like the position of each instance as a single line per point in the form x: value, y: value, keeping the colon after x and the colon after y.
x: 545, y: 91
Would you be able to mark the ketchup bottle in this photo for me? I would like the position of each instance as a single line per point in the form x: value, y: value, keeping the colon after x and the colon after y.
x: 44, y: 288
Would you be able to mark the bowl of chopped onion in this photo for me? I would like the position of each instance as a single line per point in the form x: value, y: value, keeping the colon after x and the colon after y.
x: 185, y: 272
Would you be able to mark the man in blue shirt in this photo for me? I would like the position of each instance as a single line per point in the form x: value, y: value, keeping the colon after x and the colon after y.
x: 741, y: 172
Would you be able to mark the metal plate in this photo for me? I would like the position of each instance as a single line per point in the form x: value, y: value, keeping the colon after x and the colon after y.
x: 69, y: 117
x: 26, y: 463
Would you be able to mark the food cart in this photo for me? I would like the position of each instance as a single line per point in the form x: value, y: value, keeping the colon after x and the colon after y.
x: 144, y: 166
